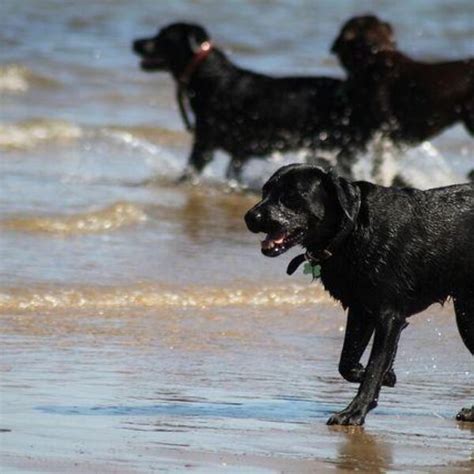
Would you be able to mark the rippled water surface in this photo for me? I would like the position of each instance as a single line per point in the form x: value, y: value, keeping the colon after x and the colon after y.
x: 141, y: 328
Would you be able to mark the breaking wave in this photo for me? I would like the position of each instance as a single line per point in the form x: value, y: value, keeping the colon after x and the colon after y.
x: 16, y: 79
x: 31, y: 133
x: 26, y: 135
x: 110, y: 298
x: 115, y: 216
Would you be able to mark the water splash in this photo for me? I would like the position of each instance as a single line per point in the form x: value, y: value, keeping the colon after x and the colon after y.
x: 422, y: 166
x: 30, y: 133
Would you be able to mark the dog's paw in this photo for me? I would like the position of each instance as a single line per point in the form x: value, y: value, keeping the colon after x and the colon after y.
x: 183, y: 178
x: 390, y: 379
x: 347, y: 417
x: 188, y: 176
x: 466, y: 414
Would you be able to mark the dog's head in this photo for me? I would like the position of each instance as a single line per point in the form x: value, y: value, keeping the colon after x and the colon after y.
x: 302, y: 205
x: 172, y: 48
x: 361, y: 37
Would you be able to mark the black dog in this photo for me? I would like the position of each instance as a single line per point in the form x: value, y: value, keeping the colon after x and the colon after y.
x: 385, y: 254
x: 247, y: 114
x: 412, y: 100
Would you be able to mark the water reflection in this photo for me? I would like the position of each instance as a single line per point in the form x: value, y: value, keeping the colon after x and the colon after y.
x: 360, y: 450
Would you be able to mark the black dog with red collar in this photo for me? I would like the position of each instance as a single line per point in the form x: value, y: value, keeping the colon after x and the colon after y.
x: 247, y: 114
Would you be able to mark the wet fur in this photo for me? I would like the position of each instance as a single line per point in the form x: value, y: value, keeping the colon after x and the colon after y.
x: 247, y: 114
x: 407, y: 250
x: 412, y: 100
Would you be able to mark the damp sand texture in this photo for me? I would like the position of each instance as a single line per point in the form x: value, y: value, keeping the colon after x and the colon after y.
x: 141, y: 329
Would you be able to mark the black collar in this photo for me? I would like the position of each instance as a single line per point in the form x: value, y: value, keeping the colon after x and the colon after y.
x: 316, y: 258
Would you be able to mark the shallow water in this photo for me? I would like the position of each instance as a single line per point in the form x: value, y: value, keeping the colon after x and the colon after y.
x: 141, y: 328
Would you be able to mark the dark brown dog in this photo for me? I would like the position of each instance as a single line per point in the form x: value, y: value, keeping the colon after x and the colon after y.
x: 412, y: 100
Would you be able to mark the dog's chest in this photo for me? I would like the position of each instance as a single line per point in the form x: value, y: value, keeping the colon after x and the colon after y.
x: 341, y: 281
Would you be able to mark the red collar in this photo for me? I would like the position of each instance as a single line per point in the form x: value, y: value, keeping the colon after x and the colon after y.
x: 199, y: 56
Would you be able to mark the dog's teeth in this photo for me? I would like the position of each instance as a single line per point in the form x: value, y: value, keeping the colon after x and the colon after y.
x: 267, y: 244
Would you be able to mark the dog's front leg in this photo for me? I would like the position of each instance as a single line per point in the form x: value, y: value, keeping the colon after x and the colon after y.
x: 200, y: 156
x: 388, y: 326
x: 359, y: 330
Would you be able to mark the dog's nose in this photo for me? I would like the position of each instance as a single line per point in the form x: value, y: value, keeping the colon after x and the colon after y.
x: 137, y: 46
x: 253, y: 219
x: 149, y: 47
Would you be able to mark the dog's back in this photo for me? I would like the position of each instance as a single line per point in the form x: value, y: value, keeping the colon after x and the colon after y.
x: 423, y: 98
x: 411, y: 100
x: 410, y: 246
x: 257, y: 114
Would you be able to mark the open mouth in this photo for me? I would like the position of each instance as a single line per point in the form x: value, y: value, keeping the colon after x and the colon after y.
x: 152, y: 63
x: 279, y: 242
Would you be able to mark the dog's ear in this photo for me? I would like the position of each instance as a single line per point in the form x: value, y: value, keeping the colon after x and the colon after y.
x: 196, y: 36
x: 387, y: 27
x: 347, y: 195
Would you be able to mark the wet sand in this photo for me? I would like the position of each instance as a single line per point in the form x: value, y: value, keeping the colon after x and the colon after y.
x: 222, y: 387
x: 141, y: 329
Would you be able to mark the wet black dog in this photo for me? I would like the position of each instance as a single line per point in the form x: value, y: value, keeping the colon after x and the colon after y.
x: 412, y: 100
x: 385, y: 254
x: 247, y: 114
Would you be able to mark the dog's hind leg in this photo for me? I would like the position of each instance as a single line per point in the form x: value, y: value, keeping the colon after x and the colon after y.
x: 313, y: 158
x: 234, y: 169
x: 468, y: 119
x: 464, y: 307
x: 467, y: 115
x: 345, y: 161
x: 388, y: 327
x: 359, y: 330
x: 200, y: 156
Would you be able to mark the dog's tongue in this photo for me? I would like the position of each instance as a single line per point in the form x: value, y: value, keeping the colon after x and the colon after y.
x: 273, y: 239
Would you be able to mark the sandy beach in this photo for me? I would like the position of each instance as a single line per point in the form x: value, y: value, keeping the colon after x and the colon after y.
x: 141, y: 328
x: 221, y: 386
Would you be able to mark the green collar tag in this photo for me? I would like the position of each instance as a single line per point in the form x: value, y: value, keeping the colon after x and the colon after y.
x: 310, y: 269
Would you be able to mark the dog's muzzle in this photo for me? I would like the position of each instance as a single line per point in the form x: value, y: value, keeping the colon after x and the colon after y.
x: 253, y: 219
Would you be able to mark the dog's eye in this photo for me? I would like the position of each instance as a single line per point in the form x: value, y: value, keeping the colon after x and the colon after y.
x: 290, y: 199
x: 349, y: 35
x: 149, y: 47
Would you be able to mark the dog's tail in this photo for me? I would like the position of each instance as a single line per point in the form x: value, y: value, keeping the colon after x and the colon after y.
x: 464, y: 307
